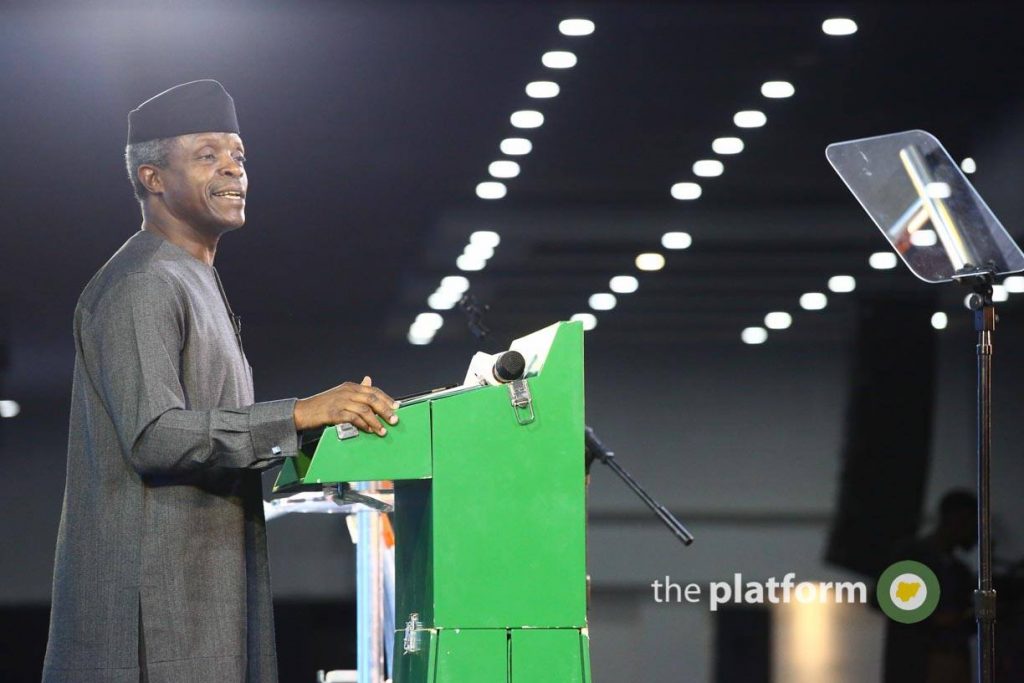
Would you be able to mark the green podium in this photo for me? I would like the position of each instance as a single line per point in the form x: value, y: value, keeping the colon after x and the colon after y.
x: 489, y: 520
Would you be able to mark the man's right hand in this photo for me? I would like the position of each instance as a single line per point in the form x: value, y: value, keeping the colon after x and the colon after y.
x: 359, y: 404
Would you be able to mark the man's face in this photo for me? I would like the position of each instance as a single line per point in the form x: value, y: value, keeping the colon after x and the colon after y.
x: 205, y: 182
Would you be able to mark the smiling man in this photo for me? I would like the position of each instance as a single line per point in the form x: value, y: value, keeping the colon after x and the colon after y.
x: 161, y: 566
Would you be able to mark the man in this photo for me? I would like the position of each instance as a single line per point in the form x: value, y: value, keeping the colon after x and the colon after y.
x: 161, y: 565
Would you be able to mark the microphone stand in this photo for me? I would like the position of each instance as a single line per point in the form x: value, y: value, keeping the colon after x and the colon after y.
x: 597, y: 450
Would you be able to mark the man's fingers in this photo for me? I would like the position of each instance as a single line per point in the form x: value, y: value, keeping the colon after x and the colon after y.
x: 367, y: 382
x: 381, y: 403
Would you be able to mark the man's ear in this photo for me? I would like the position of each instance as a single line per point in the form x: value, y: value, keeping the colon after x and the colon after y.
x: 150, y: 178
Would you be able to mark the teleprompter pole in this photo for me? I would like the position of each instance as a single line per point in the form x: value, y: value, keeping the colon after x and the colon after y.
x: 980, y: 303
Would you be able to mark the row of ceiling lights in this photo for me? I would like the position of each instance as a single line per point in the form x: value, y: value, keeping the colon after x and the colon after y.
x: 481, y: 244
x: 690, y: 190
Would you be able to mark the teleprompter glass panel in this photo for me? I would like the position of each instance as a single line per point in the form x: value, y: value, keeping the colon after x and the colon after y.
x: 931, y: 215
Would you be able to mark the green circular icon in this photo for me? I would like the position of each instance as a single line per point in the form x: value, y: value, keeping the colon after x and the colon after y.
x: 908, y: 592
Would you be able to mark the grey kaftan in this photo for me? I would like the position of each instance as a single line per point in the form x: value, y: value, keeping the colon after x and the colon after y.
x: 162, y: 529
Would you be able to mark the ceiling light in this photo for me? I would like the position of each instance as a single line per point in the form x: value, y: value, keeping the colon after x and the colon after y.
x: 708, y: 168
x: 589, y: 320
x: 527, y: 118
x: 727, y: 145
x: 480, y: 252
x: 778, y: 320
x: 558, y: 59
x: 813, y: 301
x: 503, y: 169
x: 491, y: 190
x: 777, y: 89
x: 750, y: 119
x: 487, y: 238
x: 842, y: 284
x: 676, y: 240
x: 576, y: 27
x: 469, y: 263
x: 938, y: 190
x: 443, y: 300
x: 686, y: 191
x: 542, y: 90
x: 419, y: 337
x: 968, y: 165
x: 429, y: 321
x: 602, y: 301
x: 515, y: 147
x: 882, y: 260
x: 923, y: 238
x: 623, y: 284
x: 839, y: 26
x: 940, y: 320
x: 754, y: 335
x: 9, y: 408
x: 650, y: 261
x: 454, y: 283
x: 999, y: 293
x: 1014, y: 284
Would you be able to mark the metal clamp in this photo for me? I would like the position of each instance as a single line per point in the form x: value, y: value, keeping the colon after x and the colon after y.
x: 411, y: 641
x: 522, y: 401
x: 346, y: 430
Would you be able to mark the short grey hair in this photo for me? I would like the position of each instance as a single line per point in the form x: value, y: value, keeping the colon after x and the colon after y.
x: 148, y: 153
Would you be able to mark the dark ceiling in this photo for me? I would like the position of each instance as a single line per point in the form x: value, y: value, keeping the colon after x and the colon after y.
x: 368, y: 125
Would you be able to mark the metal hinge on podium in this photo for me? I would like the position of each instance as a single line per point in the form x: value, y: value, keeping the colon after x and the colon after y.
x: 522, y: 401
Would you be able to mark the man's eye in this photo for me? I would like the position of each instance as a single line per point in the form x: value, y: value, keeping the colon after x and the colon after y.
x: 240, y: 159
x: 207, y: 156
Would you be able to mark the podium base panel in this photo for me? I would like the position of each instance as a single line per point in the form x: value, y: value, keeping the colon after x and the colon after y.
x: 454, y: 655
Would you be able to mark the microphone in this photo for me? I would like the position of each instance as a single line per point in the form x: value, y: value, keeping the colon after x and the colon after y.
x: 509, y: 367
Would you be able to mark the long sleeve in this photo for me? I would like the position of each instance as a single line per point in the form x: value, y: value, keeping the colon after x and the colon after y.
x: 133, y: 343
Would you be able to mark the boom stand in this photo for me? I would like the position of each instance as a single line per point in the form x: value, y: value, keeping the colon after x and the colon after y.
x: 980, y: 302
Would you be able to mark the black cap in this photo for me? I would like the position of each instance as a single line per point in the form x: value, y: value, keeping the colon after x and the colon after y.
x: 195, y: 107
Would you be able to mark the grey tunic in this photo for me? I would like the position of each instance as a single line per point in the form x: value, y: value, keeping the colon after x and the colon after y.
x: 162, y: 529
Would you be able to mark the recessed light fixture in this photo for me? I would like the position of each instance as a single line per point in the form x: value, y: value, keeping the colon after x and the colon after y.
x: 676, y: 240
x: 1014, y: 284
x: 999, y: 293
x: 777, y: 89
x: 576, y: 27
x: 515, y: 147
x: 750, y: 118
x: 727, y: 145
x: 487, y: 238
x: 623, y: 284
x: 491, y: 190
x: 708, y: 168
x: 478, y: 251
x: 602, y: 301
x: 419, y: 337
x: 443, y: 300
x: 842, y: 284
x: 813, y: 301
x: 839, y: 26
x: 542, y: 90
x: 924, y: 238
x: 589, y: 320
x: 558, y: 59
x: 650, y: 261
x: 754, y: 335
x: 527, y: 118
x: 968, y: 165
x: 470, y: 263
x: 9, y: 408
x: 882, y: 260
x: 778, y: 320
x: 940, y: 320
x: 686, y: 191
x: 503, y: 169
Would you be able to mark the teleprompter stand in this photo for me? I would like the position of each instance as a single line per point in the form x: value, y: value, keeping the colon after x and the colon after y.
x: 943, y: 230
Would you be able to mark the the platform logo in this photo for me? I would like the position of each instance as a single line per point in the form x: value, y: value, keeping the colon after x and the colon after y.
x: 908, y: 592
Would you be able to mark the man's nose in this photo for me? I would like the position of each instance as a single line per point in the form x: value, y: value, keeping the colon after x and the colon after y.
x: 232, y: 169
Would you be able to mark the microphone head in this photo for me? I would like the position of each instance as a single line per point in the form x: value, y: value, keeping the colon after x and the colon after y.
x: 510, y: 366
